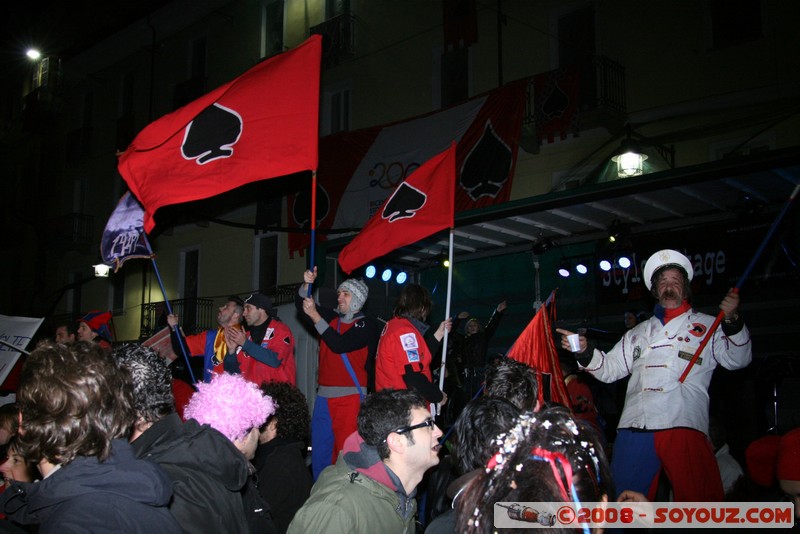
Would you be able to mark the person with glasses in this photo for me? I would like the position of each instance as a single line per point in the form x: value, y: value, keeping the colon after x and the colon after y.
x: 372, y: 486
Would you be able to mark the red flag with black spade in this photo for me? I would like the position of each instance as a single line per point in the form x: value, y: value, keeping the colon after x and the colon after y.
x: 261, y: 125
x: 420, y: 206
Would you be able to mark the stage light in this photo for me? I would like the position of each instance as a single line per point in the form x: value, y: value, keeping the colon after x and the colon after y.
x: 370, y: 271
x: 581, y: 268
x: 563, y: 269
x: 624, y: 262
x: 542, y: 245
x: 401, y: 278
x: 387, y: 275
x: 446, y: 263
x: 605, y: 265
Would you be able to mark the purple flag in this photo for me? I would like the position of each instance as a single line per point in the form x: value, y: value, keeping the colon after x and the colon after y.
x: 122, y: 238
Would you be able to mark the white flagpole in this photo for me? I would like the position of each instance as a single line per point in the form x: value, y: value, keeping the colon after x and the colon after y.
x: 446, y: 315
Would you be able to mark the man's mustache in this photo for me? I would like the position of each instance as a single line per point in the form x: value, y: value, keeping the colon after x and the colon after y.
x: 669, y: 293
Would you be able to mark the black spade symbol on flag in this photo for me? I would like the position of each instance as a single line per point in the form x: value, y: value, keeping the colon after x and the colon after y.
x: 486, y: 169
x: 212, y: 134
x: 404, y: 203
x: 301, y: 209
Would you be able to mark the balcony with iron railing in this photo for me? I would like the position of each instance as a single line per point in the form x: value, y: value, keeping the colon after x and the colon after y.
x: 337, y: 38
x: 199, y: 315
x: 585, y: 95
x: 196, y: 315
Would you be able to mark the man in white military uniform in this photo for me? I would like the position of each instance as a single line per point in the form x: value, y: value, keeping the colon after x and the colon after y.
x: 664, y: 423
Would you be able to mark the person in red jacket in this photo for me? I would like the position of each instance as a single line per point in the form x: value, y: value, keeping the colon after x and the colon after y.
x: 348, y: 340
x: 405, y: 351
x: 210, y: 345
x: 266, y: 351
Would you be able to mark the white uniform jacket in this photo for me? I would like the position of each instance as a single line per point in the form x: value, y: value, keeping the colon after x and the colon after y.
x: 655, y: 356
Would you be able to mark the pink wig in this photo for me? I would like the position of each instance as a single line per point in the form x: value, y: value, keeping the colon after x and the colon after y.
x: 229, y: 404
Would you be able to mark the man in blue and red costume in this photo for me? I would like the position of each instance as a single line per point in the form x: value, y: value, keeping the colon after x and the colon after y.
x: 266, y: 351
x: 348, y: 339
x: 211, y: 345
x: 664, y: 423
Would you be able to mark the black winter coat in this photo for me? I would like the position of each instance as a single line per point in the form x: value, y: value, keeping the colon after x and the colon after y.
x: 208, y: 473
x: 122, y: 494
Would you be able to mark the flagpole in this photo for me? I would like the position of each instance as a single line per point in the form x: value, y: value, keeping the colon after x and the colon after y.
x: 313, y: 224
x: 741, y: 280
x: 446, y: 314
x: 16, y: 349
x: 169, y: 307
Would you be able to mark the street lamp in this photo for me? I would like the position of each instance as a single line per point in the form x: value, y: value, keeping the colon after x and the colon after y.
x: 34, y: 54
x: 101, y: 270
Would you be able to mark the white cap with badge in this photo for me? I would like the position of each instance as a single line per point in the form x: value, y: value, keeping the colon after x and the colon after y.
x: 666, y: 258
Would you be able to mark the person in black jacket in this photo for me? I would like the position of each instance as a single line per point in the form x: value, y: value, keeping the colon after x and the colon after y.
x: 469, y: 355
x: 237, y: 408
x: 207, y: 471
x: 76, y: 408
x: 284, y: 479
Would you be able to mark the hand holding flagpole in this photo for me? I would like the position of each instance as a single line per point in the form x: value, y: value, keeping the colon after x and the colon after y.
x: 447, y: 316
x: 739, y: 284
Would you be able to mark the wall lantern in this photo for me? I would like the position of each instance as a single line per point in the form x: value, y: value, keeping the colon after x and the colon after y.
x: 101, y: 270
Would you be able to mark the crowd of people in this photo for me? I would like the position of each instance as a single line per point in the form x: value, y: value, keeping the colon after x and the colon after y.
x: 103, y: 439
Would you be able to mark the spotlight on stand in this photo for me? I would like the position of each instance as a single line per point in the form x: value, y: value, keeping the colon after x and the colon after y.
x: 386, y: 275
x: 370, y: 271
x: 542, y: 245
x: 581, y: 268
x: 401, y: 278
x: 616, y: 232
x: 624, y: 262
x: 605, y: 265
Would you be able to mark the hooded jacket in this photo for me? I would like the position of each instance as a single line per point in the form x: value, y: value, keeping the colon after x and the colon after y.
x: 357, y: 494
x: 207, y: 472
x: 122, y: 494
x: 284, y: 479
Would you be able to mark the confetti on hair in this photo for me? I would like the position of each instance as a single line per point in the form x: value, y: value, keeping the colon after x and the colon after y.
x: 229, y: 404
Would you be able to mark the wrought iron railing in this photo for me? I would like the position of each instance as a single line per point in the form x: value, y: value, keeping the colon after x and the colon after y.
x: 601, y: 85
x: 338, y: 39
x: 196, y: 315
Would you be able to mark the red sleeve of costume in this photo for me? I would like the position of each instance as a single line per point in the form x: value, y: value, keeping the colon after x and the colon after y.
x: 196, y: 344
x: 282, y: 342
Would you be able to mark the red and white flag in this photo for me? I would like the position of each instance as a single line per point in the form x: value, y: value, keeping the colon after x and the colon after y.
x: 420, y: 206
x: 359, y: 169
x: 263, y: 124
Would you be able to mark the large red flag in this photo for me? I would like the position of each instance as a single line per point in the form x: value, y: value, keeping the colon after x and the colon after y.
x: 261, y: 125
x: 420, y: 206
x: 535, y: 347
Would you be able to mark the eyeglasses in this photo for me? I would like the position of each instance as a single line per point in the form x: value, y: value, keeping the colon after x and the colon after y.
x: 402, y: 430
